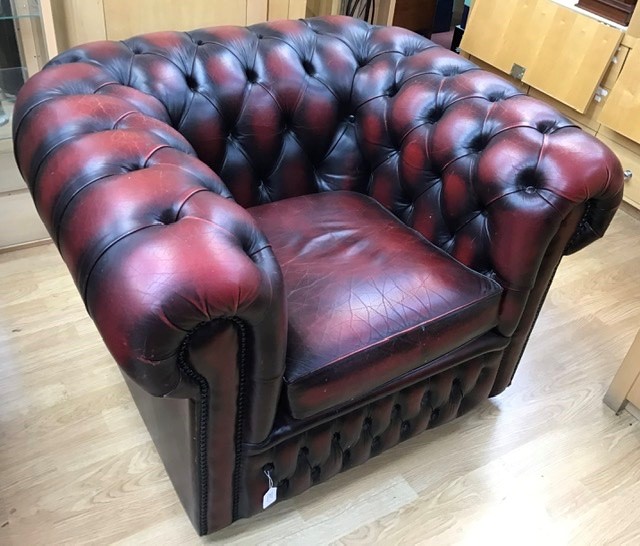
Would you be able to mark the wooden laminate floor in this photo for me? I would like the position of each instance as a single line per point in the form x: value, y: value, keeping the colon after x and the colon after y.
x: 543, y: 463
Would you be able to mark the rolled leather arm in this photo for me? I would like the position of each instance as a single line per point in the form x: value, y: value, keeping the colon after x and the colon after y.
x: 492, y: 176
x: 154, y: 241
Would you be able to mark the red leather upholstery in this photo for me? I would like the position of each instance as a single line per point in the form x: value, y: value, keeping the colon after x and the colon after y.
x: 350, y: 438
x: 368, y: 299
x: 142, y: 157
x: 290, y: 108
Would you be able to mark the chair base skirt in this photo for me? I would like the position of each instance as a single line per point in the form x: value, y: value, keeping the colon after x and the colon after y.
x: 300, y: 454
x: 172, y: 424
x: 318, y: 454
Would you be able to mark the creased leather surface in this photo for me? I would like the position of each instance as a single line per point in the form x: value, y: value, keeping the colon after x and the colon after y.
x: 367, y: 298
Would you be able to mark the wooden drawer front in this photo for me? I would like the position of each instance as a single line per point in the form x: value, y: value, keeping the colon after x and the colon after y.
x: 630, y: 161
x: 572, y: 58
x: 565, y: 53
x: 516, y: 83
x: 19, y: 221
x: 622, y: 109
x: 588, y: 121
x: 626, y: 384
x: 615, y: 67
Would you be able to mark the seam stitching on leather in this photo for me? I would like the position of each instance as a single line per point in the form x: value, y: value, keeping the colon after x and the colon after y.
x: 535, y: 319
x: 240, y: 417
x: 203, y: 421
x: 202, y: 437
x: 580, y: 229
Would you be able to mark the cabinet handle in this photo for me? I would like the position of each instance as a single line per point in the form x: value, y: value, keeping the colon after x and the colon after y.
x: 628, y: 174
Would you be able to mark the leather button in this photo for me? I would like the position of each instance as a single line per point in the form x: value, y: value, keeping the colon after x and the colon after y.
x: 252, y: 75
x: 450, y: 71
x: 530, y: 190
x: 191, y: 82
x: 405, y: 426
x: 479, y: 142
x: 167, y: 217
x: 308, y: 67
x: 426, y: 399
x: 351, y: 118
x: 546, y: 127
x: 434, y: 115
x: 495, y: 97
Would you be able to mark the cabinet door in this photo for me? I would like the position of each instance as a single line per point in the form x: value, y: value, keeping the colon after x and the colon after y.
x: 125, y: 18
x: 621, y: 111
x: 564, y: 53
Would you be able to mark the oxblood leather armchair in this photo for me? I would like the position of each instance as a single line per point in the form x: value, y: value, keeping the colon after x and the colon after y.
x: 303, y: 241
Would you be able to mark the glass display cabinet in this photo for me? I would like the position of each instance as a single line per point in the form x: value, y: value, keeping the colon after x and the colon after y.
x: 24, y: 48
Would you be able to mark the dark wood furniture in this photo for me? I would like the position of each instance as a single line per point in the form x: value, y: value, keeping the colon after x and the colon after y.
x: 415, y: 15
x: 619, y: 11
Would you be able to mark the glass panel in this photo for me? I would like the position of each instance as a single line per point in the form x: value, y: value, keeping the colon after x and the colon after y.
x: 10, y: 9
x: 22, y: 54
x: 10, y: 179
x: 21, y: 42
x: 11, y: 80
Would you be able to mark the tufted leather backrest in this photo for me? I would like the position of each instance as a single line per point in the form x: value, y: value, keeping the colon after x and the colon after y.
x: 293, y: 107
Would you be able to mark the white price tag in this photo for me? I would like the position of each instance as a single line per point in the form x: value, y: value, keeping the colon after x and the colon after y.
x: 269, y: 497
x: 272, y: 493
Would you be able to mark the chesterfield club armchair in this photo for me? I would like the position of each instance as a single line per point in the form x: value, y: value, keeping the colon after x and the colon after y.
x: 303, y: 241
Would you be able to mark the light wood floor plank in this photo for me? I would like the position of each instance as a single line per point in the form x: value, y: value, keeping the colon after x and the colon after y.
x: 545, y: 462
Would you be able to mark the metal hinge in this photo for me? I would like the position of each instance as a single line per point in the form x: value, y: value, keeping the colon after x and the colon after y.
x: 517, y: 71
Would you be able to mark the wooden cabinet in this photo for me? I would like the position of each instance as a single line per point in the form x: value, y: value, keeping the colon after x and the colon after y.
x: 316, y: 8
x: 415, y: 15
x: 618, y: 61
x: 26, y: 43
x: 629, y: 155
x: 577, y: 62
x: 384, y: 12
x: 554, y: 48
x: 625, y: 386
x: 80, y: 21
x: 622, y: 109
x: 619, y: 11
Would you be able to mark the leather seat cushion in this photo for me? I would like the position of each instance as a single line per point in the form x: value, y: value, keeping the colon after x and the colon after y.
x: 368, y: 298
